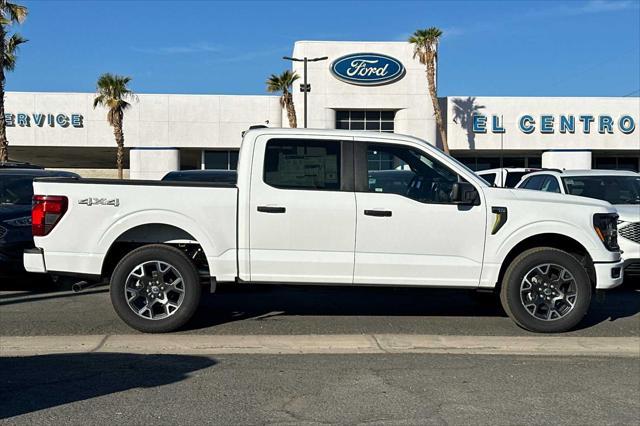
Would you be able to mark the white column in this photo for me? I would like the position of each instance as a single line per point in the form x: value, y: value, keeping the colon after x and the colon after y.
x: 153, y: 163
x: 567, y: 159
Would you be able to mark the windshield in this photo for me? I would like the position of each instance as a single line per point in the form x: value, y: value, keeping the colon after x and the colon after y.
x: 614, y: 189
x: 16, y: 189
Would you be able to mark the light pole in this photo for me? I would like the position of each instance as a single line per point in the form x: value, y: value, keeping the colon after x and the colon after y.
x: 305, y: 87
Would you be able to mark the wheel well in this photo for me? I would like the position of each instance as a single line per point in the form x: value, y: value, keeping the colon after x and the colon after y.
x: 154, y: 233
x: 557, y: 241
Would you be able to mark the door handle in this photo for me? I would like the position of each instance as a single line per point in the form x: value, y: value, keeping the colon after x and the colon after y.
x: 271, y: 209
x: 378, y: 213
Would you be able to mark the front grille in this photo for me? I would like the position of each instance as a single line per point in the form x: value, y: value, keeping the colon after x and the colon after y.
x: 3, y: 231
x: 631, y: 232
x: 632, y: 269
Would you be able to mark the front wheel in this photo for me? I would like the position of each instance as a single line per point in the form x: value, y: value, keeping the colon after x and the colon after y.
x: 155, y: 289
x: 546, y: 290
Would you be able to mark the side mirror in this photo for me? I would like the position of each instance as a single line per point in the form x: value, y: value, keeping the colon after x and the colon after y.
x: 465, y: 193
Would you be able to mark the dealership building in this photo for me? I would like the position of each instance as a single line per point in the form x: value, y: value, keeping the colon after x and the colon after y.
x: 376, y: 86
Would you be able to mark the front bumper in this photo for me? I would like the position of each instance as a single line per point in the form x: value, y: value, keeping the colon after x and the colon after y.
x: 608, y: 274
x: 33, y: 260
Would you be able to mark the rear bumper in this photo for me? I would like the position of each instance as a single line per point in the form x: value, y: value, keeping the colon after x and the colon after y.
x: 33, y: 260
x: 609, y: 274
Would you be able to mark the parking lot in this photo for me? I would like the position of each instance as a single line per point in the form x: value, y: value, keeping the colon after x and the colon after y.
x: 252, y: 387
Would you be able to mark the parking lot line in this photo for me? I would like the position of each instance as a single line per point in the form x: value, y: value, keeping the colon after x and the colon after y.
x: 321, y: 344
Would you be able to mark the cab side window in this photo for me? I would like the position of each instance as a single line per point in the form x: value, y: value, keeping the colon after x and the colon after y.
x: 302, y: 164
x: 404, y: 171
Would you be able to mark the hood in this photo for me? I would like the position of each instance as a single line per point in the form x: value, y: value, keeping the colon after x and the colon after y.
x: 13, y: 211
x: 628, y: 212
x: 548, y: 197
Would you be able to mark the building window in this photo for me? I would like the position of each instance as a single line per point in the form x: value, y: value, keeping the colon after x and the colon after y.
x: 302, y: 164
x: 375, y: 121
x: 220, y: 160
x: 493, y: 162
x: 628, y: 162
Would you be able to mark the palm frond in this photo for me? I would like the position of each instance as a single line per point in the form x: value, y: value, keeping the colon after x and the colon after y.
x: 13, y: 12
x: 113, y: 93
x: 282, y: 82
x: 11, y: 51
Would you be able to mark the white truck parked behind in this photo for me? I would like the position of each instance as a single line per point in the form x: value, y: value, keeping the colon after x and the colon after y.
x: 308, y: 207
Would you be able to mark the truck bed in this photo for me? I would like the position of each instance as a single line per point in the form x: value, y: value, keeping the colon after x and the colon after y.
x: 102, y: 212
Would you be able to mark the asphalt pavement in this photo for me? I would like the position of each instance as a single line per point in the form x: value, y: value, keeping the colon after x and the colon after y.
x: 127, y: 378
x: 248, y: 310
x: 94, y: 389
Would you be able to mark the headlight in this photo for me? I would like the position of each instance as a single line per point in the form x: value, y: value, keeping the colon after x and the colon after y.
x: 606, y: 226
x: 20, y: 221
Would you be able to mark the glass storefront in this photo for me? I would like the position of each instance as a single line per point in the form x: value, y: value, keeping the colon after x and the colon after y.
x: 630, y: 161
x: 493, y: 161
x: 220, y: 160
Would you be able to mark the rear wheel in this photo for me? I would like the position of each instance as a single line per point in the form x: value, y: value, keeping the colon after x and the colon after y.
x: 546, y: 290
x: 155, y: 289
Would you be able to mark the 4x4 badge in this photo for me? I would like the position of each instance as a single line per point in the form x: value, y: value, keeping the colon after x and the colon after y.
x: 100, y: 202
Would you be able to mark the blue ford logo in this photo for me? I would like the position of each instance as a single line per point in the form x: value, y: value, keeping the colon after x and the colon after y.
x: 367, y: 69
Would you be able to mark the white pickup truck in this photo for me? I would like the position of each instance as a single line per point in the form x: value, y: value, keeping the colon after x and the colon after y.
x: 328, y: 207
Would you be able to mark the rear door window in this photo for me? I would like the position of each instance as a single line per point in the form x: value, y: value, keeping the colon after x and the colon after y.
x: 302, y: 164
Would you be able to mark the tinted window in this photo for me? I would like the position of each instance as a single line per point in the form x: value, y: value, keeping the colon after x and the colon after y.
x: 550, y: 185
x: 412, y: 174
x: 513, y: 178
x: 302, y: 164
x: 534, y: 182
x: 614, y: 189
x: 217, y: 176
x: 16, y: 189
x: 489, y: 177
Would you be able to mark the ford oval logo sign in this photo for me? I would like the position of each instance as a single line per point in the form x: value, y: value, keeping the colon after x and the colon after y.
x: 367, y: 69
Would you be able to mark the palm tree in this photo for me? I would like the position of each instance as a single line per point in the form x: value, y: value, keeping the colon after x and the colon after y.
x: 10, y: 13
x: 425, y: 48
x: 282, y: 83
x: 113, y: 93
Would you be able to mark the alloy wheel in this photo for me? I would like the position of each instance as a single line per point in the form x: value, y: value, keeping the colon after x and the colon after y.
x: 548, y: 292
x: 154, y: 290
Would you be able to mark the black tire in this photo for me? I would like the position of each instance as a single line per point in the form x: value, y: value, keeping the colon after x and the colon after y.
x: 177, y: 260
x: 513, y: 278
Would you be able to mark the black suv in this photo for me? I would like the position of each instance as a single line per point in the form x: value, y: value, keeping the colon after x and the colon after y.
x: 16, y: 191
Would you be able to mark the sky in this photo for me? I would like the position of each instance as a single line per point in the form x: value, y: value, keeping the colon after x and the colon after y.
x: 489, y: 48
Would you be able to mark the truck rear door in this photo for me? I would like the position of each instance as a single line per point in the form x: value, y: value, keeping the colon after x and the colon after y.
x: 302, y: 218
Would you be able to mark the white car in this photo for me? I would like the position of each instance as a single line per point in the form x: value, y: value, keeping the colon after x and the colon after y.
x: 620, y: 188
x: 506, y: 177
x: 309, y: 207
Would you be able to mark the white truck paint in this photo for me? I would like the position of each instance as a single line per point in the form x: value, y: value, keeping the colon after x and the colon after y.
x: 353, y: 236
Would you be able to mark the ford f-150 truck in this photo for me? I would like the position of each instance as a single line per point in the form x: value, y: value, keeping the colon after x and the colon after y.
x: 308, y: 208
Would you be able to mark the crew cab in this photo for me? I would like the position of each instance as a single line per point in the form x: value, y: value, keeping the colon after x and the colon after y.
x: 307, y: 208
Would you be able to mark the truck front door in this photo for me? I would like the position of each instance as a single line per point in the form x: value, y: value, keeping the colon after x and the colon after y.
x: 302, y: 211
x: 409, y: 232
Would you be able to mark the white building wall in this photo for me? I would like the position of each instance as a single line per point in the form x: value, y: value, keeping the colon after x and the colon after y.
x: 409, y: 96
x: 197, y: 121
x: 460, y: 134
x: 570, y: 160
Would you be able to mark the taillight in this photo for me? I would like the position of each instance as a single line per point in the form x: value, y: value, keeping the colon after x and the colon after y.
x: 46, y: 212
